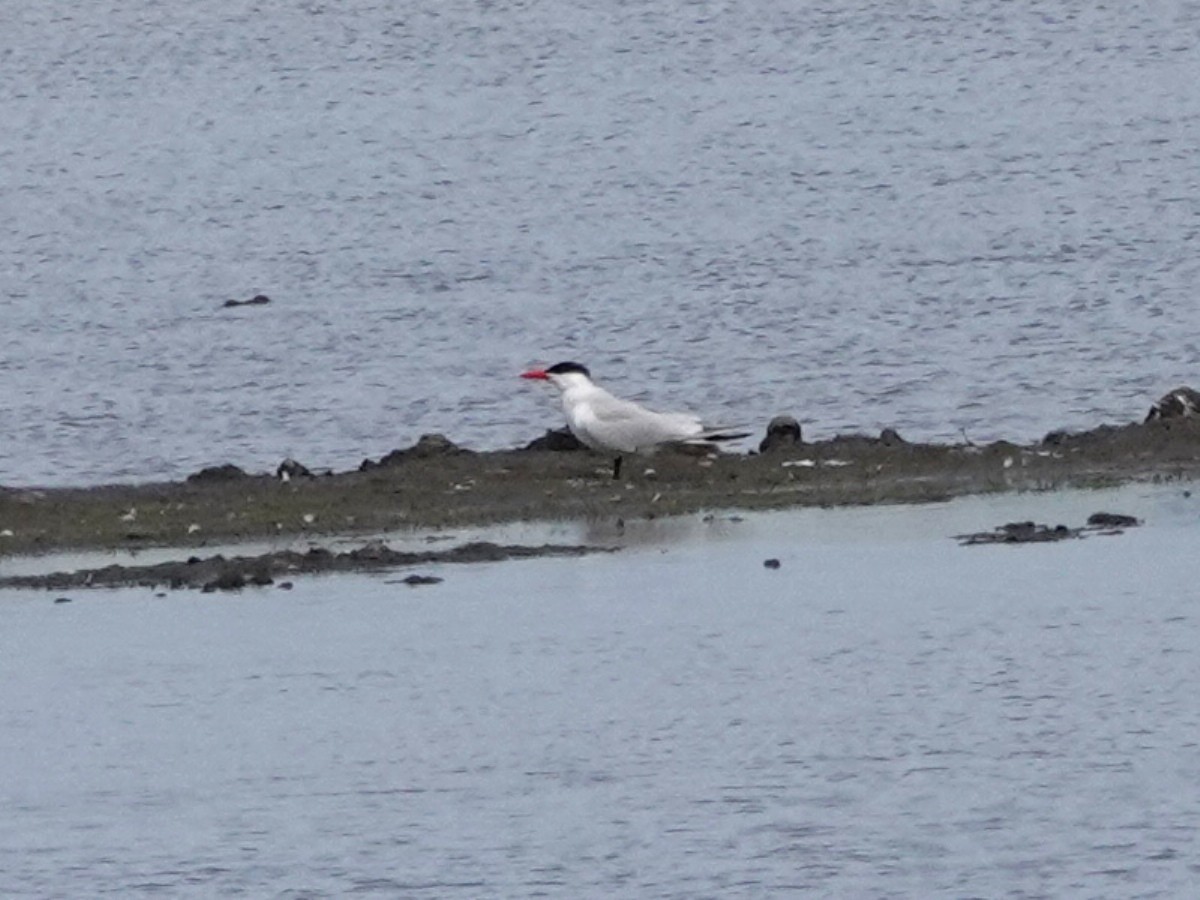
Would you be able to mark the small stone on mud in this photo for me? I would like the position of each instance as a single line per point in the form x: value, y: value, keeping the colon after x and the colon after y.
x: 556, y: 440
x: 428, y: 446
x: 224, y: 472
x: 290, y: 468
x: 1183, y: 401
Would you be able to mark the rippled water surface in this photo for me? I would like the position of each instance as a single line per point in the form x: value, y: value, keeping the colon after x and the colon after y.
x: 929, y: 217
x: 886, y: 715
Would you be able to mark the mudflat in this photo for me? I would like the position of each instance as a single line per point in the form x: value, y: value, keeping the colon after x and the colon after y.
x: 436, y: 484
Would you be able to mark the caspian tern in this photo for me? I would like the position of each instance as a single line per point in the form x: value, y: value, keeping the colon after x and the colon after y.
x: 609, y: 424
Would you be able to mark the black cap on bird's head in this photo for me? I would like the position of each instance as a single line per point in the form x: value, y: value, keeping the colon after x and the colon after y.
x: 562, y: 368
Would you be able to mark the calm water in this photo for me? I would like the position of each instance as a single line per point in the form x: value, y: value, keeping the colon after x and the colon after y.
x: 935, y: 218
x: 887, y: 715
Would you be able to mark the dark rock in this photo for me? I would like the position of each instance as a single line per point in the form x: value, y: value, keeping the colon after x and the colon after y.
x: 782, y: 432
x: 1056, y: 438
x: 427, y: 447
x: 225, y: 472
x: 890, y: 437
x: 289, y: 469
x: 62, y: 599
x: 771, y: 563
x: 285, y: 585
x: 1178, y: 403
x: 256, y: 300
x: 558, y: 440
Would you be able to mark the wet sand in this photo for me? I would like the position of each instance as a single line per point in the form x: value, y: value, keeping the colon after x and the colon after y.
x: 435, y: 485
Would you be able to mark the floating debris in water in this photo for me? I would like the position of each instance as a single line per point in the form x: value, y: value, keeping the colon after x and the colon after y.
x: 256, y: 300
x: 1033, y: 533
x: 415, y: 580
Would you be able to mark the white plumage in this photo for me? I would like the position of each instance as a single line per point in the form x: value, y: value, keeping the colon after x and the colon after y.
x: 609, y: 424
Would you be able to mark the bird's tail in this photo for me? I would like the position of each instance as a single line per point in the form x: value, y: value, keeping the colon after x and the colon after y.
x: 722, y: 433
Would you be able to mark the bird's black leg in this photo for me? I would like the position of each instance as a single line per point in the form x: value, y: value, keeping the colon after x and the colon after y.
x: 617, y: 468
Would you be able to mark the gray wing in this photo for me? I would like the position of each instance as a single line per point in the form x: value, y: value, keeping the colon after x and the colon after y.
x: 628, y: 427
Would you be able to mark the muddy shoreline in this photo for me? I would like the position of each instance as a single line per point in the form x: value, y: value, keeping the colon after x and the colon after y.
x: 436, y: 485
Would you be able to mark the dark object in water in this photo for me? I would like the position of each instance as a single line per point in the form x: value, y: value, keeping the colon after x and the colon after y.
x: 1019, y: 533
x: 416, y: 580
x: 1178, y: 403
x: 1112, y: 520
x: 771, y: 563
x: 62, y: 599
x: 1033, y: 533
x: 256, y: 300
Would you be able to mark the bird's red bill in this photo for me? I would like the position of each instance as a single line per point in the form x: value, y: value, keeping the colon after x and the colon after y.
x: 539, y: 374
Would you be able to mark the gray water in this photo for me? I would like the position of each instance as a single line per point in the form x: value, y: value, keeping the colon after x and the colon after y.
x: 937, y: 217
x: 886, y: 715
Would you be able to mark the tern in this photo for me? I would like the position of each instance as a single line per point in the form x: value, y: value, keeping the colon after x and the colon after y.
x: 609, y: 424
